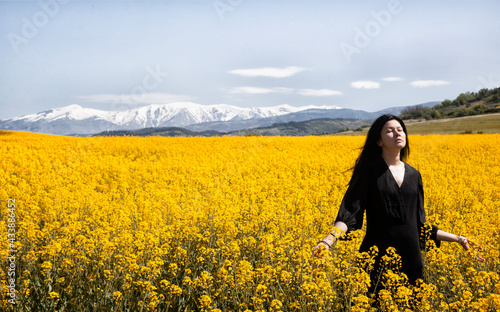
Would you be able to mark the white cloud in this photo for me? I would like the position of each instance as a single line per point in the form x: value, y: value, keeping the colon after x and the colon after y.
x: 319, y: 92
x: 139, y: 98
x: 364, y: 84
x: 255, y: 90
x: 391, y: 79
x: 428, y: 83
x: 269, y: 72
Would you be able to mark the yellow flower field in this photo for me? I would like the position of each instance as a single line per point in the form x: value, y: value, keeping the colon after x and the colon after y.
x: 228, y: 224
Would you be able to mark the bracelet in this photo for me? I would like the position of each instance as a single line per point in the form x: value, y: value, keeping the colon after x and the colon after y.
x: 323, y: 241
x: 335, y: 234
x: 460, y: 239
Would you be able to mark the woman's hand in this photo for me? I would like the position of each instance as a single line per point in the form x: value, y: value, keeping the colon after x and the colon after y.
x: 317, y: 249
x: 468, y: 244
x: 316, y: 260
x: 327, y: 242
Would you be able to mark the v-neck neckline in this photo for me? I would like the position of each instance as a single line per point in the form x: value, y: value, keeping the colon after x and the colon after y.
x: 392, y: 175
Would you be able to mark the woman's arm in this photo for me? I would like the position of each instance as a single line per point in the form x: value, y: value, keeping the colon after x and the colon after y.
x: 463, y: 241
x: 351, y: 211
x: 331, y: 238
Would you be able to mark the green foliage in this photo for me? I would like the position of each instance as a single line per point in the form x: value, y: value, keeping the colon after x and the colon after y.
x: 466, y: 104
x: 343, y: 129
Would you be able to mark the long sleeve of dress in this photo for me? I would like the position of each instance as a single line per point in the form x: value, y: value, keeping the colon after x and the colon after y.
x: 353, y: 204
x: 426, y: 231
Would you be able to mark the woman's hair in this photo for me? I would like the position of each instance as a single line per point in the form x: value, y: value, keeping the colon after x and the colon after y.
x: 371, y: 150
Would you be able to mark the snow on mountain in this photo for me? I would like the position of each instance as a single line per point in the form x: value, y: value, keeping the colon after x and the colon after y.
x: 75, y: 119
x: 75, y: 112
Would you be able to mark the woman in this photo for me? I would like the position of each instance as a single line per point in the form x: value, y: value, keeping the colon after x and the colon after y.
x: 391, y: 193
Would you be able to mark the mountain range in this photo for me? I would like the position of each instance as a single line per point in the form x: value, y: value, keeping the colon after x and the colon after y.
x: 321, y: 126
x: 77, y: 120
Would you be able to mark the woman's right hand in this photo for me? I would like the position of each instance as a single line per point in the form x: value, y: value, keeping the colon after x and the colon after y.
x: 317, y: 249
x: 316, y: 254
x: 327, y: 242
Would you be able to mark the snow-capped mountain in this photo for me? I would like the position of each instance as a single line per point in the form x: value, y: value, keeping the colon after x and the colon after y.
x: 74, y: 119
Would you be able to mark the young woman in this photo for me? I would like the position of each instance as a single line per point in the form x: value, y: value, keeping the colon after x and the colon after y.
x: 391, y: 193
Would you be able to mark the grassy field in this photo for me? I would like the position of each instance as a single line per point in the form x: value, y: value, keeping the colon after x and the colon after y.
x: 471, y: 124
x: 489, y: 123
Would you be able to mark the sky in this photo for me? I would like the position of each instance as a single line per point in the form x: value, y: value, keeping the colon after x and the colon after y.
x: 369, y: 55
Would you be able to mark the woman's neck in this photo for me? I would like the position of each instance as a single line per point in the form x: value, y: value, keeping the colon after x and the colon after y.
x: 391, y: 158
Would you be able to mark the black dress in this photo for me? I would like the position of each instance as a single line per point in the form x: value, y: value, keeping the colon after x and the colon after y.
x: 394, y: 215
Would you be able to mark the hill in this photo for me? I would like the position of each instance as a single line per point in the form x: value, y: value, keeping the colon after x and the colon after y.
x: 321, y: 126
x: 485, y: 101
x: 165, y: 131
x: 488, y: 123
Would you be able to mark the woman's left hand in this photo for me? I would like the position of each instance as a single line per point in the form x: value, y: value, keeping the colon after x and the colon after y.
x: 468, y: 244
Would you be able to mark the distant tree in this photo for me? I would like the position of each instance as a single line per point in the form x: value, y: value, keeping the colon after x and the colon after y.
x: 470, y: 97
x: 465, y: 104
x: 460, y: 100
x: 444, y: 104
x: 461, y: 112
x: 435, y: 114
x: 494, y: 99
x: 481, y: 94
x: 480, y: 109
x: 413, y: 112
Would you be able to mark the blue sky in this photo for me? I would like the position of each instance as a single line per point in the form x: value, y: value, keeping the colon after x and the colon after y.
x: 115, y: 55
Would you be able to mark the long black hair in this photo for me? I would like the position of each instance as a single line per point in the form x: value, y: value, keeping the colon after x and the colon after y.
x: 371, y: 150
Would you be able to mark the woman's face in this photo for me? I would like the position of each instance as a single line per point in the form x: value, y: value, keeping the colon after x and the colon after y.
x: 392, y: 136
